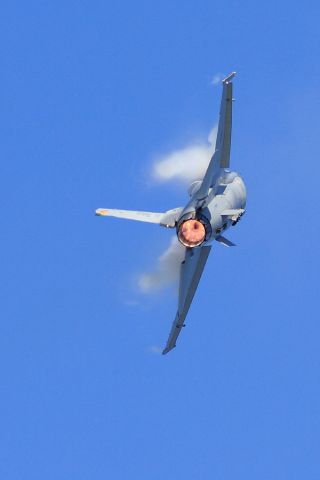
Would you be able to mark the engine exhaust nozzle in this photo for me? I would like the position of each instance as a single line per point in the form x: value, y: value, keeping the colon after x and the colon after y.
x: 191, y: 233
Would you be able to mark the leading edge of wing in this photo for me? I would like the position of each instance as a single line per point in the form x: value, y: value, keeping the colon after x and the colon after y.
x: 221, y: 157
x: 190, y: 274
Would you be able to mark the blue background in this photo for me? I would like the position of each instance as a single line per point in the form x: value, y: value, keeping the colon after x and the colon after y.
x: 90, y: 92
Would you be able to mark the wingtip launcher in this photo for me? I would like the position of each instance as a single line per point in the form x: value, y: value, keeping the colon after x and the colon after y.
x: 229, y: 78
x: 168, y: 349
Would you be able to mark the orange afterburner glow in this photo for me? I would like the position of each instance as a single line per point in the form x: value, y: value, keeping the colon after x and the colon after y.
x: 191, y: 233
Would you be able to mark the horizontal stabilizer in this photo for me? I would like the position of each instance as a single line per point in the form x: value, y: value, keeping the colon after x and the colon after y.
x: 225, y: 241
x: 232, y: 211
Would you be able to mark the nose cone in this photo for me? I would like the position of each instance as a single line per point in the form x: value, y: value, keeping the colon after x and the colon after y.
x: 191, y: 233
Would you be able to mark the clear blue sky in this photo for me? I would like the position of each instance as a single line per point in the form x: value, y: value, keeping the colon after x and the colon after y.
x: 90, y: 93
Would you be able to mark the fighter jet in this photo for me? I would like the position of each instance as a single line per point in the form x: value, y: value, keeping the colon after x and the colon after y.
x: 216, y: 202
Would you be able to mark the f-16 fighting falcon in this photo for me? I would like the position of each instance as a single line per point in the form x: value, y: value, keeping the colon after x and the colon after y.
x: 216, y: 203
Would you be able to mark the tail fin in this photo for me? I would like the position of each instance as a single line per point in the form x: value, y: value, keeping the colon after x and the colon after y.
x: 167, y: 219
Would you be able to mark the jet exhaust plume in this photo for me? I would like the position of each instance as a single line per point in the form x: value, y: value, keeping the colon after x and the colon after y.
x: 186, y: 164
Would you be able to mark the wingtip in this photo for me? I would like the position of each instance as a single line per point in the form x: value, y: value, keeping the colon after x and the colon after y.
x: 168, y: 349
x: 229, y: 77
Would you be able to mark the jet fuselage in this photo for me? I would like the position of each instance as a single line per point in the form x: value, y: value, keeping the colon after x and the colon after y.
x: 201, y: 221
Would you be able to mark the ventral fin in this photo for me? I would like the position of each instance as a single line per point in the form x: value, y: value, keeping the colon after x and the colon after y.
x: 225, y: 241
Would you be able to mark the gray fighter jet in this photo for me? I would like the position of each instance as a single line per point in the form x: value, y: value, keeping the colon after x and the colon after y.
x: 216, y: 203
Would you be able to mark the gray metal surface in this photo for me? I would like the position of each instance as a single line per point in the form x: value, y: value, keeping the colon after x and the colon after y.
x: 221, y: 156
x: 166, y: 219
x: 149, y: 217
x: 190, y: 274
x: 216, y: 203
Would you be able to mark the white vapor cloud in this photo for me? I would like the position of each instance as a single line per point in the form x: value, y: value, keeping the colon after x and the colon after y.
x: 155, y: 349
x: 166, y: 271
x: 217, y: 78
x: 186, y: 164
